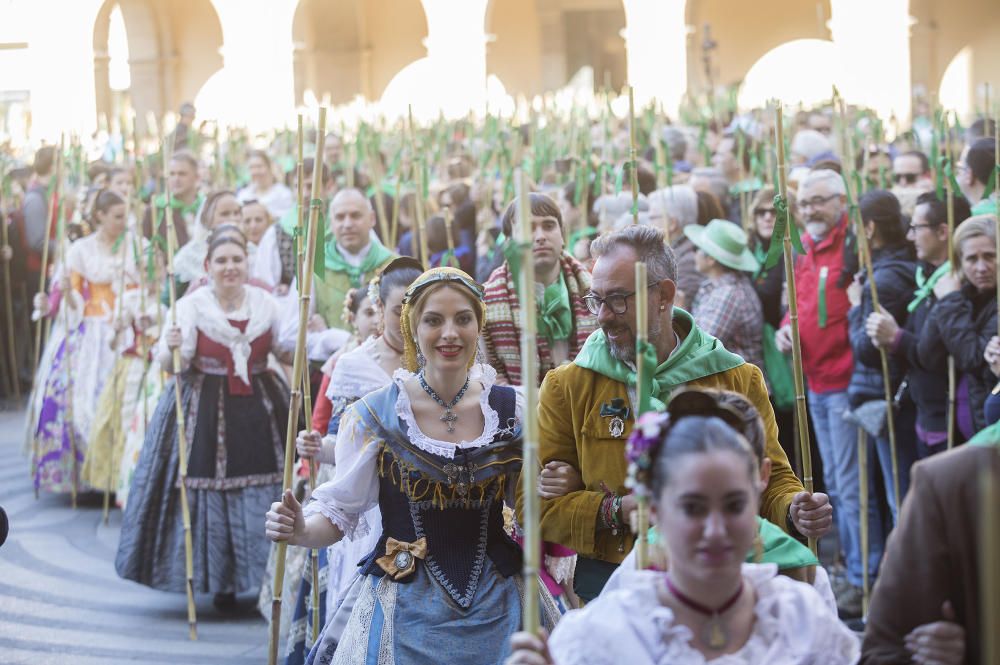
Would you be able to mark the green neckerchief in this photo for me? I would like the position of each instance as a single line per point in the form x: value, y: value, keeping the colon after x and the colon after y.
x: 989, y: 436
x: 821, y: 295
x: 699, y: 355
x: 555, y: 316
x: 290, y: 221
x: 779, y: 548
x: 985, y: 207
x: 177, y: 204
x: 376, y: 256
x: 925, y: 285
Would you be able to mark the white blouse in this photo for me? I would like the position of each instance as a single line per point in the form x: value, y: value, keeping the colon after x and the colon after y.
x: 793, y: 626
x: 355, y: 486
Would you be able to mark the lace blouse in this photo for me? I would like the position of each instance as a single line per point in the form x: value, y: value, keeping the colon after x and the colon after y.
x: 355, y: 486
x: 630, y: 625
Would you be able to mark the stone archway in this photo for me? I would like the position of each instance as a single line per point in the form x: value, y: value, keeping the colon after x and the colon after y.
x: 174, y: 47
x: 345, y: 48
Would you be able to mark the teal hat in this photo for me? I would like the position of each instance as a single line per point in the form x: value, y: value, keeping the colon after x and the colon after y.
x: 725, y: 242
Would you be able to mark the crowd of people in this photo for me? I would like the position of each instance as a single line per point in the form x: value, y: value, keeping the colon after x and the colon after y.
x: 165, y: 296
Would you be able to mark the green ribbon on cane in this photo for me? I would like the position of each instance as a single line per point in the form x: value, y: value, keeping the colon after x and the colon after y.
x: 783, y: 225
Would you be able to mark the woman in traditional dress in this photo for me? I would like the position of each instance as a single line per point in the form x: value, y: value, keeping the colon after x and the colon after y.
x: 74, y: 367
x: 219, y: 208
x: 356, y: 373
x: 124, y: 406
x: 703, y: 482
x: 235, y: 411
x: 438, y: 452
x: 265, y: 187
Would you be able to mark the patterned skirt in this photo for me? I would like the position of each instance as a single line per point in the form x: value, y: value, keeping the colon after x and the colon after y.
x: 230, y: 550
x: 71, y: 374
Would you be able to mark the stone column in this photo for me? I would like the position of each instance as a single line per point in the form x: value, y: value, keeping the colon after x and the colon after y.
x: 873, y: 45
x: 656, y: 44
x: 456, y: 52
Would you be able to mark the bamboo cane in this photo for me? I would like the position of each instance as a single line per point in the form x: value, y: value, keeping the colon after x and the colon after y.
x: 793, y: 315
x: 300, y: 211
x: 297, y: 373
x: 866, y: 260
x: 989, y: 556
x: 15, y: 383
x: 383, y: 222
x: 116, y: 421
x: 529, y: 381
x: 950, y: 206
x: 641, y: 337
x: 182, y: 443
x: 313, y: 553
x: 863, y: 501
x: 631, y: 155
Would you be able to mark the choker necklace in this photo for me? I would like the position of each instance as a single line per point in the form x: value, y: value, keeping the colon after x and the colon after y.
x: 385, y: 341
x: 714, y: 633
x: 449, y: 416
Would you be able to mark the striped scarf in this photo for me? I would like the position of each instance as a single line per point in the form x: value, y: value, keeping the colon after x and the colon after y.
x: 502, y: 332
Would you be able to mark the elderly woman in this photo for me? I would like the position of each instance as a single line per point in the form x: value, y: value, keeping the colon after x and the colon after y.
x: 671, y: 209
x: 703, y: 481
x: 438, y: 452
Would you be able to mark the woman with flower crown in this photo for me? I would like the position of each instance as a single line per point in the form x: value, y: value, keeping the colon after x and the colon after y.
x: 709, y: 606
x: 438, y: 451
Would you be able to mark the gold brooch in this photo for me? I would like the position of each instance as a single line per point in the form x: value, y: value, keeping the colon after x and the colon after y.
x: 400, y: 558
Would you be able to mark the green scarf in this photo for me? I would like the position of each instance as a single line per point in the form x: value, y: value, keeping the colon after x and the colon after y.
x: 925, y: 285
x: 699, y: 355
x: 555, y: 316
x: 186, y: 209
x: 377, y: 255
x: 990, y: 436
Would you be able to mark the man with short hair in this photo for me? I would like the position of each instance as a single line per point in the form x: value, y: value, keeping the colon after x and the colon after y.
x: 822, y: 276
x: 33, y: 226
x: 185, y: 200
x: 184, y: 126
x: 911, y: 170
x: 975, y: 175
x: 563, y: 321
x: 927, y: 383
x: 587, y: 408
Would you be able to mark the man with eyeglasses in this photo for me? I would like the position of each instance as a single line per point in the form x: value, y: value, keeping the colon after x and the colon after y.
x: 587, y: 408
x: 822, y: 276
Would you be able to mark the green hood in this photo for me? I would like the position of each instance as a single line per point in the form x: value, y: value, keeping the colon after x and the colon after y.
x: 699, y: 355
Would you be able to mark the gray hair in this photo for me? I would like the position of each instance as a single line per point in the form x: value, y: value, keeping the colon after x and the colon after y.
x: 717, y: 183
x: 679, y: 202
x: 810, y: 143
x: 649, y: 246
x: 831, y: 178
x: 676, y: 143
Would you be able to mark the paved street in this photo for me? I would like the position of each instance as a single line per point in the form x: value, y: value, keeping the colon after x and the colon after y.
x: 61, y: 601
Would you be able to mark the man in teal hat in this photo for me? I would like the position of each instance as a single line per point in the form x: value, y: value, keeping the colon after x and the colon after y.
x: 587, y: 408
x: 727, y: 306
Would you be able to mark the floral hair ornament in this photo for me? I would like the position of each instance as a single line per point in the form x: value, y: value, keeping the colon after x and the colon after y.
x: 432, y: 277
x: 641, y: 450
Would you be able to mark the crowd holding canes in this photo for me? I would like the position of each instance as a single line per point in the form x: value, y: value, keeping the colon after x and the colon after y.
x: 566, y: 462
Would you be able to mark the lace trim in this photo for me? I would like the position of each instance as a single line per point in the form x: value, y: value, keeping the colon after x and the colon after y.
x: 561, y: 568
x: 352, y: 526
x: 356, y: 373
x: 482, y: 373
x: 463, y: 599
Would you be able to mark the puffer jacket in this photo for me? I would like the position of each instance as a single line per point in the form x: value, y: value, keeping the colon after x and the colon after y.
x: 894, y: 280
x: 961, y: 324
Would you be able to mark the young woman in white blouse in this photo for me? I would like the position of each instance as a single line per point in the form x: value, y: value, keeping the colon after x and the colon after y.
x: 710, y: 606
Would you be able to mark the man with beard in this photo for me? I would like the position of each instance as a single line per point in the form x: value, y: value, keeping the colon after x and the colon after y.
x: 587, y: 408
x: 822, y: 277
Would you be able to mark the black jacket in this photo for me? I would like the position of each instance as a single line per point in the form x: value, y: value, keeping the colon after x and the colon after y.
x: 769, y: 283
x: 894, y: 280
x: 961, y: 324
x: 927, y: 382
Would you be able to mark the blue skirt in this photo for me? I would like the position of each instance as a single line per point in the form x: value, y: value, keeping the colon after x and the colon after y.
x: 416, y: 621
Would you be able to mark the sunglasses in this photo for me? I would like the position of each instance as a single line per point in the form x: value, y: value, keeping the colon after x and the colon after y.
x: 908, y: 178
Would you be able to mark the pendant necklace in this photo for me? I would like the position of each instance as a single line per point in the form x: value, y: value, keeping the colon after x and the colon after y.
x: 449, y: 416
x: 714, y: 634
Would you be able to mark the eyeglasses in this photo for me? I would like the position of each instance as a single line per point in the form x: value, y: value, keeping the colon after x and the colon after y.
x: 909, y: 178
x: 616, y: 302
x: 816, y: 201
x: 761, y: 212
x: 914, y: 227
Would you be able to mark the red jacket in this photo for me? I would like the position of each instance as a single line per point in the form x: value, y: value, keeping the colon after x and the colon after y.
x: 827, y: 361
